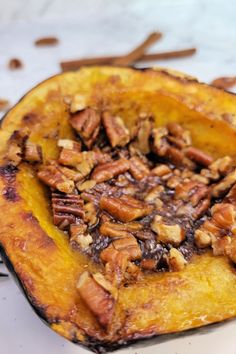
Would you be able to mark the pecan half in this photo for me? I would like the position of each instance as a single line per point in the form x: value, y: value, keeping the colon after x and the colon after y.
x: 198, y: 156
x: 138, y: 169
x: 117, y: 133
x: 125, y: 208
x: 99, y: 300
x: 51, y: 176
x: 223, y: 186
x: 66, y: 209
x: 109, y: 170
x: 144, y: 132
x: 87, y: 124
x: 160, y: 144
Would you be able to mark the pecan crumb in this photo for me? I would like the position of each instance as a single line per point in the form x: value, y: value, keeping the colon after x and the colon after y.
x: 15, y: 64
x: 4, y: 104
x: 176, y: 260
x: 46, y: 41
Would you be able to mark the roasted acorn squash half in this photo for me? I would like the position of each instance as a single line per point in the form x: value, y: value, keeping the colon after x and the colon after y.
x: 38, y: 253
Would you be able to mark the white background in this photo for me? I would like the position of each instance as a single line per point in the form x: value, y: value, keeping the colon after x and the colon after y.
x: 91, y: 28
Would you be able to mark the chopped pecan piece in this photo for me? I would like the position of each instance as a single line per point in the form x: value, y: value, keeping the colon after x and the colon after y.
x: 221, y: 245
x: 125, y: 208
x: 117, y: 133
x: 66, y: 209
x: 154, y: 196
x: 90, y: 214
x: 222, y: 165
x: 168, y: 234
x: 69, y: 172
x: 52, y: 177
x: 117, y: 263
x: 99, y: 300
x: 148, y: 264
x: 33, y: 152
x: 198, y: 156
x: 138, y: 169
x: 89, y: 184
x: 175, y: 155
x: 82, y: 161
x: 223, y: 215
x: 112, y: 229
x: 77, y: 103
x: 176, y: 260
x: 161, y: 170
x: 173, y: 182
x: 69, y: 144
x: 79, y: 235
x: 160, y: 144
x: 105, y: 284
x: 109, y: 170
x: 143, y: 135
x: 202, y: 238
x: 231, y: 250
x: 87, y: 124
x: 128, y: 245
x: 224, y: 185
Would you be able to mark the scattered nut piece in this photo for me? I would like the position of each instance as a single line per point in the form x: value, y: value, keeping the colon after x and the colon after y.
x: 4, y: 104
x: 176, y: 260
x: 168, y: 234
x: 224, y: 185
x: 46, y: 41
x: 33, y: 152
x: 15, y: 64
x: 202, y: 238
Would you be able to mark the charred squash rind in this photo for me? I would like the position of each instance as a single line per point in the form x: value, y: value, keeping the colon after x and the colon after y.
x: 39, y: 254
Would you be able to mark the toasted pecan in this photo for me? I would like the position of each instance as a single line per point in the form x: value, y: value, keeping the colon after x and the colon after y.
x: 125, y: 208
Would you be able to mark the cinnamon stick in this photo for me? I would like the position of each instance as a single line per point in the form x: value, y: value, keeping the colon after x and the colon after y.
x: 109, y: 60
x: 139, y: 51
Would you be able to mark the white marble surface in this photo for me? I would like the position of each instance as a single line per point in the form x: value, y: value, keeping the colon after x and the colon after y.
x: 95, y: 27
